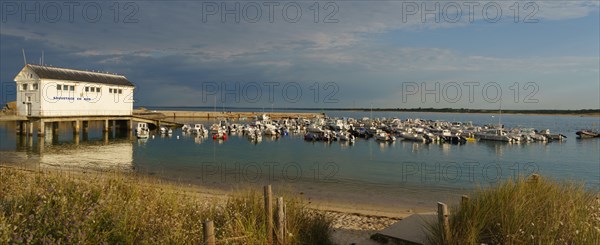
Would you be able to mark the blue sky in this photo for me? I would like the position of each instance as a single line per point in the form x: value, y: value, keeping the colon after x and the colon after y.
x: 371, y: 55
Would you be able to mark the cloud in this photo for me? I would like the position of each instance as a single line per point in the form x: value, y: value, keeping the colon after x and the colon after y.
x: 170, y: 45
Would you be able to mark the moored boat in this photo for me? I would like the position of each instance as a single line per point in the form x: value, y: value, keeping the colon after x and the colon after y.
x: 583, y: 134
x: 142, y: 131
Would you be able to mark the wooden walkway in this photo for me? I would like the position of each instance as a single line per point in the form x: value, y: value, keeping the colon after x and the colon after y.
x: 26, y: 124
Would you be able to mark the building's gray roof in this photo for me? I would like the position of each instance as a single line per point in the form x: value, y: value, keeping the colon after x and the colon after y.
x: 49, y: 72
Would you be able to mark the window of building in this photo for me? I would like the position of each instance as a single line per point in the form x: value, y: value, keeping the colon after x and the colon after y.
x: 58, y: 87
x: 24, y: 86
x: 72, y: 88
x: 35, y: 86
x: 120, y: 91
x: 87, y: 89
x: 110, y: 90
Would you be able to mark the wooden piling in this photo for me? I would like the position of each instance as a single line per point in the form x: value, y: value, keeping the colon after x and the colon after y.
x: 41, y: 128
x: 269, y: 213
x: 20, y: 128
x: 106, y: 127
x: 443, y: 220
x: 76, y: 127
x: 281, y: 221
x: 30, y: 128
x: 208, y: 230
x: 85, y: 125
x: 464, y: 200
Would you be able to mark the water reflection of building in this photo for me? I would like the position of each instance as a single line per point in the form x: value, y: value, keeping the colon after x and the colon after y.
x: 97, y: 154
x: 116, y: 155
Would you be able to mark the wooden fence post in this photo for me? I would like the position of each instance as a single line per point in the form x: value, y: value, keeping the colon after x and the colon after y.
x: 209, y: 233
x: 464, y: 200
x: 535, y: 178
x: 269, y: 213
x: 443, y: 221
x: 281, y: 221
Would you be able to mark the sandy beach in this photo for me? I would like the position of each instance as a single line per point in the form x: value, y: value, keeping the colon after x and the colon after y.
x: 351, y: 224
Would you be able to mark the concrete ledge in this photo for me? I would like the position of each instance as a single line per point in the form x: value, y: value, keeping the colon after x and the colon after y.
x: 410, y: 230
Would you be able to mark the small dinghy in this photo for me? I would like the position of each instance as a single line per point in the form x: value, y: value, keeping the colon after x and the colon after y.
x: 584, y: 134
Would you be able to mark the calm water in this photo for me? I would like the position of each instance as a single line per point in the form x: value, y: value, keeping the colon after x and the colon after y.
x: 401, y: 172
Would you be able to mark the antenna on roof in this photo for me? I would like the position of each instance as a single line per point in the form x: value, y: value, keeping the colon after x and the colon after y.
x: 42, y: 57
x: 24, y: 58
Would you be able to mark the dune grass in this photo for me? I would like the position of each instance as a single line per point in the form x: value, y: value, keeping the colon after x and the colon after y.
x: 58, y: 207
x: 525, y: 211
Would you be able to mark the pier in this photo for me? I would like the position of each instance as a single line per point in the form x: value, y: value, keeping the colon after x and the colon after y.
x: 173, y: 115
x: 25, y: 125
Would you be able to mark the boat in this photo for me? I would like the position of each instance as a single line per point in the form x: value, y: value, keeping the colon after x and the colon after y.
x: 220, y: 135
x: 552, y: 136
x: 346, y: 137
x: 314, y: 129
x: 215, y: 128
x: 447, y: 136
x: 383, y: 136
x: 200, y: 130
x: 414, y: 137
x: 142, y: 131
x: 311, y: 136
x: 165, y: 130
x: 494, y: 135
x: 584, y: 134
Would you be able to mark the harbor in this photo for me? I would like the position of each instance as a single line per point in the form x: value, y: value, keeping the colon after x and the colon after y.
x: 300, y: 122
x: 408, y: 162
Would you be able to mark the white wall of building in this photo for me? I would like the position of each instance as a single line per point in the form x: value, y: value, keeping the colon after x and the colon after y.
x: 48, y: 100
x: 28, y: 96
x: 55, y: 102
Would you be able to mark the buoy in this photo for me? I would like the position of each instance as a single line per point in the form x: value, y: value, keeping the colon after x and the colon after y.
x: 152, y: 136
x: 177, y: 136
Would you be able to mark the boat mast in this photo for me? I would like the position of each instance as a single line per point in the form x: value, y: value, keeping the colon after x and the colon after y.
x: 500, y: 117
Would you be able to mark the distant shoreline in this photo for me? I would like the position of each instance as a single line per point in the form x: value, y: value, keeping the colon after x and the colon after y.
x: 578, y: 113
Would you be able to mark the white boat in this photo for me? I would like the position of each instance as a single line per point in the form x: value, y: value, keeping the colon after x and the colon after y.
x: 165, y: 130
x: 383, y: 136
x: 199, y: 130
x: 255, y: 135
x: 314, y: 129
x: 494, y: 135
x: 529, y: 134
x: 270, y: 131
x: 550, y: 136
x: 186, y: 128
x: 142, y: 131
x: 346, y: 137
x: 414, y: 137
x: 215, y: 128
x: 337, y: 125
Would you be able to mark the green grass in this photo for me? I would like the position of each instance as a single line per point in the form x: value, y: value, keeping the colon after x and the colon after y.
x: 524, y: 211
x: 58, y: 207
